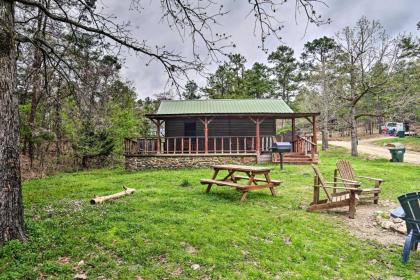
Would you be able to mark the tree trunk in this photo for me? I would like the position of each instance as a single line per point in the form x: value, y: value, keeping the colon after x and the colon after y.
x: 353, y: 123
x: 102, y: 199
x: 11, y: 206
x: 31, y: 125
x: 324, y: 135
x: 324, y: 131
x: 58, y: 129
x: 325, y: 117
x: 58, y: 123
x: 380, y: 123
x: 353, y: 132
x: 36, y: 95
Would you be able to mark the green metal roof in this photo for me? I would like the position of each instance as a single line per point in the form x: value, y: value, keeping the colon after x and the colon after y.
x: 223, y: 106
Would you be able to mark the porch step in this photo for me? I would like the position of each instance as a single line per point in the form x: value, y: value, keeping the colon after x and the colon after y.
x: 294, y: 155
x: 301, y: 162
x: 292, y: 158
x: 296, y: 158
x: 300, y: 158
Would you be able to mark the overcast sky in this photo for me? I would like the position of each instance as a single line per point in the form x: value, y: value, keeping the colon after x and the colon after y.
x: 397, y: 16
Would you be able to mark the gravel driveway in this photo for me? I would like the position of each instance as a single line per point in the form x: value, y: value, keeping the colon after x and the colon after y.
x: 366, y: 147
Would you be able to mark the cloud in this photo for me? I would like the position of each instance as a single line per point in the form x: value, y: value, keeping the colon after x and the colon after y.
x: 396, y: 16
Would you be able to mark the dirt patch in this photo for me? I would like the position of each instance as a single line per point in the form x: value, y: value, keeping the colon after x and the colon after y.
x: 366, y: 147
x: 362, y: 135
x: 365, y: 227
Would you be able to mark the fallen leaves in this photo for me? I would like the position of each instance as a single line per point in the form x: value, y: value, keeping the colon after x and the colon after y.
x: 80, y: 264
x: 178, y: 271
x: 189, y: 248
x: 195, y: 266
x: 63, y: 260
x: 287, y: 240
x: 80, y: 276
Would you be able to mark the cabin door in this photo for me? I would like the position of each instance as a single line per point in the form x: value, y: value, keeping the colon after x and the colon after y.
x: 190, y: 129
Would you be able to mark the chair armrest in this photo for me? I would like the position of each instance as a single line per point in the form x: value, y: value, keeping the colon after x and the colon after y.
x: 339, y: 188
x: 348, y: 182
x: 370, y: 178
x: 411, y: 220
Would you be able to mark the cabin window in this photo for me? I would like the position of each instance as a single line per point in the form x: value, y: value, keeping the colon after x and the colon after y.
x: 190, y: 129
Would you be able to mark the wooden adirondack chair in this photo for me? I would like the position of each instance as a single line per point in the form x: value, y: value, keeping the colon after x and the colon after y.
x: 410, y: 202
x: 347, y: 197
x: 347, y: 173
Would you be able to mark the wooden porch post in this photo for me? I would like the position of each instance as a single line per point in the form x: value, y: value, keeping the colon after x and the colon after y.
x: 314, y: 147
x: 158, y: 136
x: 158, y: 123
x: 293, y: 134
x: 206, y: 135
x: 257, y: 132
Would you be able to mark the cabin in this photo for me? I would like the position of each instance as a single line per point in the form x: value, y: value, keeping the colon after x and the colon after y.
x: 193, y: 133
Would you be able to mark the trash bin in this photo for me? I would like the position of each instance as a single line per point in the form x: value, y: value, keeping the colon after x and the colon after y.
x: 397, y: 154
x: 401, y: 134
x: 397, y: 151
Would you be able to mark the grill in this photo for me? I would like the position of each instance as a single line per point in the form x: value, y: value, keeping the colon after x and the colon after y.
x: 281, y: 147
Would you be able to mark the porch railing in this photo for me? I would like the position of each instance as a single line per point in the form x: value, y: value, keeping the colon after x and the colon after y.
x: 216, y: 145
x: 197, y: 145
x: 140, y: 146
x: 305, y: 145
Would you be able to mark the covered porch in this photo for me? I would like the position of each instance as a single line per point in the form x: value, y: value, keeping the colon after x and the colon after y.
x: 260, y: 145
x: 225, y: 128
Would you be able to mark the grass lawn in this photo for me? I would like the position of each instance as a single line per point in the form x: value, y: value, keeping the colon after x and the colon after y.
x: 411, y: 142
x: 166, y: 230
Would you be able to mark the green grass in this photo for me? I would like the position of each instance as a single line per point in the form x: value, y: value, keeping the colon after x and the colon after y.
x: 170, y: 224
x: 411, y: 142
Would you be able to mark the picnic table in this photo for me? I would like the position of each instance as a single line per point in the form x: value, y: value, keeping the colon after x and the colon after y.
x: 247, y: 173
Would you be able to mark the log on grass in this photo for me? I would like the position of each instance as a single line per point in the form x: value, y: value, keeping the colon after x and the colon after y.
x: 101, y: 199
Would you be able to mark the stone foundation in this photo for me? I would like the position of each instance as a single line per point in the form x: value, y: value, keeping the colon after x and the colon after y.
x: 142, y: 162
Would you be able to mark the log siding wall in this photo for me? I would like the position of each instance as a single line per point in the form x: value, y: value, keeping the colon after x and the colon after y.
x: 222, y: 127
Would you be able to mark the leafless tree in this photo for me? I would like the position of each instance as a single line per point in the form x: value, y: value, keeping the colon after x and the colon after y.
x: 368, y: 57
x: 71, y: 18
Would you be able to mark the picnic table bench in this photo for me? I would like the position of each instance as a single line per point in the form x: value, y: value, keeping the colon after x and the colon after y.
x: 232, y: 179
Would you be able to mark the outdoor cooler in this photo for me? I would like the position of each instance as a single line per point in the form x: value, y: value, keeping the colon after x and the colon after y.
x: 281, y: 148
